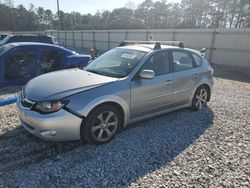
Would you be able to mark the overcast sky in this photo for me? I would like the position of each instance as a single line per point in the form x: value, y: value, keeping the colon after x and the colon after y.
x: 82, y: 6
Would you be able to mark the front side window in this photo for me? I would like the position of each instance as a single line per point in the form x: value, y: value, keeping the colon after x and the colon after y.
x: 182, y: 60
x: 20, y: 64
x: 116, y: 63
x: 51, y: 60
x: 159, y: 63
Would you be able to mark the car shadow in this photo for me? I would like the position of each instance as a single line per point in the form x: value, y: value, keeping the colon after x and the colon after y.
x: 139, y: 150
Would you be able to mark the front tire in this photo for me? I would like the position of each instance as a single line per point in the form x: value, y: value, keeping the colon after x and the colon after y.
x: 200, y: 98
x: 101, y: 125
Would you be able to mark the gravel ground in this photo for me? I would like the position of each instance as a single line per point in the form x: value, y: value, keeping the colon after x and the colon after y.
x: 209, y: 148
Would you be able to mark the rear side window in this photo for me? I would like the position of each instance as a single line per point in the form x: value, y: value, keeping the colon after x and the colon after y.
x: 197, y: 59
x: 41, y: 39
x: 51, y: 60
x: 15, y: 39
x: 182, y: 60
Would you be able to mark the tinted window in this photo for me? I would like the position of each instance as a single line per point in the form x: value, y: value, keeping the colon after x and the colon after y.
x: 159, y: 63
x: 182, y: 60
x: 15, y: 39
x: 51, y: 60
x: 197, y: 59
x: 20, y: 64
x: 41, y: 39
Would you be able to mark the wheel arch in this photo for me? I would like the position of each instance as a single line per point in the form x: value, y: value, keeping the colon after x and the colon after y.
x: 205, y: 84
x: 115, y: 101
x: 208, y: 89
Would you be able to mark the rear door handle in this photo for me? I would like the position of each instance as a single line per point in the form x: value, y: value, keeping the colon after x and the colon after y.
x: 168, y: 82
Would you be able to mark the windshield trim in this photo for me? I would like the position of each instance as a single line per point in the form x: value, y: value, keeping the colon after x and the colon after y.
x: 7, y: 48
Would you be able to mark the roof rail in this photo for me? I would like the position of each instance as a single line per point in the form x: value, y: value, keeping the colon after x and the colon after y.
x: 157, y: 43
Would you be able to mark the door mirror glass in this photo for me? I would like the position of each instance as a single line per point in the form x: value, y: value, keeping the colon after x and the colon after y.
x: 147, y: 74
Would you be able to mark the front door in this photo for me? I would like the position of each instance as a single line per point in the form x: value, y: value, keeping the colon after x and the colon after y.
x: 152, y: 95
x: 20, y: 65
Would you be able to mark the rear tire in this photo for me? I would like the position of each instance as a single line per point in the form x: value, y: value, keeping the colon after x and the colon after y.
x: 200, y: 98
x: 101, y: 125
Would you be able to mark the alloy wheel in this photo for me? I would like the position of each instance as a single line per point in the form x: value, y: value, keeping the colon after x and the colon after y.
x: 201, y: 98
x: 104, y: 126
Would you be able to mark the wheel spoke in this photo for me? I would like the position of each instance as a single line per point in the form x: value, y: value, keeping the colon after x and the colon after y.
x: 200, y: 105
x: 109, y: 133
x: 95, y: 128
x: 204, y: 95
x: 198, y: 97
x: 110, y: 115
x: 100, y: 117
x: 114, y: 123
x: 99, y: 137
x: 201, y: 91
x: 203, y: 100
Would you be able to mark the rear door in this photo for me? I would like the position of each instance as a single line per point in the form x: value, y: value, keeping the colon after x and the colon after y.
x: 185, y: 76
x: 20, y: 65
x: 152, y: 95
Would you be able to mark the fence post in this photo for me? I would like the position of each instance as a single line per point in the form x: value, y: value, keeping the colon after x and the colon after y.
x: 147, y: 34
x: 108, y: 39
x: 82, y: 39
x: 65, y: 38
x: 93, y: 38
x: 126, y: 35
x: 174, y: 35
x: 58, y: 36
x: 73, y: 38
x: 212, y: 45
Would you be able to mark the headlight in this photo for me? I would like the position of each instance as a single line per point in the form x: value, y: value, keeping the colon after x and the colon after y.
x: 49, y: 106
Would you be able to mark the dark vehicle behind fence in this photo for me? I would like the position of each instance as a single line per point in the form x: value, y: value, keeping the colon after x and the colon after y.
x: 19, y: 62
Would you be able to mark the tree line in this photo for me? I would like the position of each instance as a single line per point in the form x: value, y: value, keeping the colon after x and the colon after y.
x: 147, y: 15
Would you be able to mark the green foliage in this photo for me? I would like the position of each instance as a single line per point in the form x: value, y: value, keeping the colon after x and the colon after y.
x: 149, y: 14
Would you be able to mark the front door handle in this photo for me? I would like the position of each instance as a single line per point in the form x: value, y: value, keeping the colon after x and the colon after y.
x: 168, y: 82
x: 195, y: 75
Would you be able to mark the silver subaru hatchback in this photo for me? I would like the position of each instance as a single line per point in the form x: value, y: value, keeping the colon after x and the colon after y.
x: 124, y: 85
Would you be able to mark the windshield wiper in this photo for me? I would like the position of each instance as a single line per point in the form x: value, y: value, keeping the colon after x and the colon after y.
x: 93, y: 71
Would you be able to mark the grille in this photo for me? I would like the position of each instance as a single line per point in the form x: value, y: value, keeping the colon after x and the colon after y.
x: 26, y: 103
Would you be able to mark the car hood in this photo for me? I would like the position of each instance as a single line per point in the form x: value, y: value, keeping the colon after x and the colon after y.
x: 60, y: 84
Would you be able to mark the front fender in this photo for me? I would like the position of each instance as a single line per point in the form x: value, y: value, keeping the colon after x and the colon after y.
x: 104, y: 99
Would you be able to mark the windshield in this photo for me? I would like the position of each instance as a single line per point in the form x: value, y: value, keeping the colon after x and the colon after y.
x: 5, y: 48
x: 116, y: 63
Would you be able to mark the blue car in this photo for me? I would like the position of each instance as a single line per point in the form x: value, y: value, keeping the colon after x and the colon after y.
x: 19, y: 62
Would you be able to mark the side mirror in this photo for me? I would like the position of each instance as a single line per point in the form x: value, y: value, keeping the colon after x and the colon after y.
x: 203, y: 52
x: 147, y: 74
